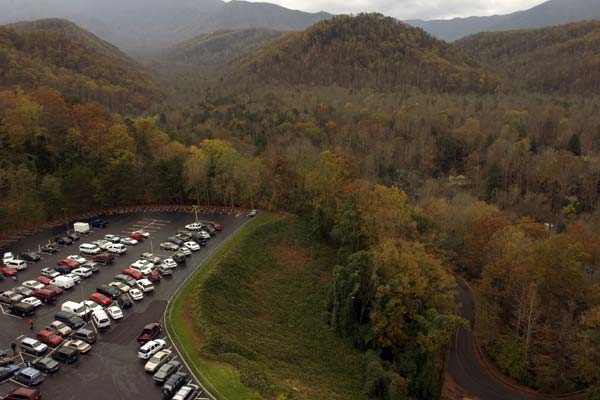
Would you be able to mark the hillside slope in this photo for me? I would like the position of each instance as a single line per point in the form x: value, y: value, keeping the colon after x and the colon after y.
x: 564, y: 59
x: 220, y: 47
x: 550, y: 13
x: 60, y: 55
x: 364, y: 51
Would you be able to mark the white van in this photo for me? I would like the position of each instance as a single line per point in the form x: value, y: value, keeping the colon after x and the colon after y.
x: 81, y: 227
x: 117, y: 248
x: 78, y: 309
x: 148, y: 349
x: 19, y: 265
x: 63, y: 282
x: 88, y: 248
x: 101, y: 319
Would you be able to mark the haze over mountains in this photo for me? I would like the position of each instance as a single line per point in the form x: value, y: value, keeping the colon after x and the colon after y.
x: 550, y: 13
x: 143, y: 25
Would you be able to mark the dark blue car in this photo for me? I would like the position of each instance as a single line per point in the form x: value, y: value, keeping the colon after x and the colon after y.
x: 8, y: 371
x: 98, y: 223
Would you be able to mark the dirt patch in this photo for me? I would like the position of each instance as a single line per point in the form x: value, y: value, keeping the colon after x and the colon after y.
x: 291, y: 257
x: 324, y: 279
x: 188, y: 320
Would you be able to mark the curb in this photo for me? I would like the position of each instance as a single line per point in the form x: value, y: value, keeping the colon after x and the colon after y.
x: 197, y: 374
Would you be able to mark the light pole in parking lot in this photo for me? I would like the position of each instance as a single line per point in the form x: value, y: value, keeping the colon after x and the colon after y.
x: 66, y: 221
x: 195, y: 207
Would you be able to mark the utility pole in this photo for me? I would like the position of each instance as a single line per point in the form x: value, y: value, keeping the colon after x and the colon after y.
x: 151, y: 247
x: 195, y: 207
x: 66, y: 221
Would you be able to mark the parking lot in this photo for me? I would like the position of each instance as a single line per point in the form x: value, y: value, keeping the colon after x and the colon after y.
x: 112, y: 369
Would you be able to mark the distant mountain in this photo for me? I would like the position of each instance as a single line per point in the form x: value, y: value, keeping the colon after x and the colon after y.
x: 60, y: 55
x: 563, y: 59
x: 364, y: 51
x: 550, y: 13
x: 219, y: 48
x: 146, y: 25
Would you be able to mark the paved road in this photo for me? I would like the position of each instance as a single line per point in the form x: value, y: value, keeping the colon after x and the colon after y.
x: 112, y: 370
x: 468, y: 370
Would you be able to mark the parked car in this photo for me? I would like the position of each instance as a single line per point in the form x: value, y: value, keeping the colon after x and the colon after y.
x: 66, y: 355
x: 22, y: 310
x: 169, y: 246
x: 63, y: 282
x: 164, y: 271
x: 73, y: 236
x: 92, y: 266
x: 193, y: 246
x: 136, y: 294
x: 33, y: 301
x: 49, y: 248
x: 150, y: 348
x: 253, y: 213
x: 44, y: 280
x: 54, y: 289
x: 45, y: 295
x: 136, y: 236
x: 47, y: 365
x: 187, y: 392
x: 117, y: 248
x: 125, y: 279
x: 17, y: 264
x: 104, y: 258
x: 108, y: 291
x: 33, y: 284
x: 29, y: 376
x: 196, y: 226
x: 185, y: 251
x: 153, y: 276
x: 76, y: 278
x: 82, y: 272
x: 49, y: 337
x: 151, y: 257
x: 91, y: 306
x: 78, y: 258
x: 124, y: 288
x: 185, y: 236
x: 69, y: 319
x: 129, y: 241
x: 89, y: 248
x: 24, y: 291
x: 7, y: 272
x: 30, y: 256
x: 49, y: 273
x: 150, y: 331
x: 178, y: 258
x: 63, y: 240
x: 8, y: 371
x: 67, y: 262
x: 145, y: 285
x: 142, y: 232
x: 124, y: 301
x: 98, y: 223
x: 172, y: 385
x: 133, y: 273
x: 102, y: 243
x: 101, y: 299
x: 7, y: 256
x: 112, y: 238
x: 23, y: 394
x: 157, y: 360
x: 166, y: 371
x: 33, y: 346
x: 10, y: 297
x: 174, y: 240
x: 60, y: 328
x: 115, y: 312
x: 87, y: 335
x: 217, y: 227
x: 78, y: 345
x: 100, y: 319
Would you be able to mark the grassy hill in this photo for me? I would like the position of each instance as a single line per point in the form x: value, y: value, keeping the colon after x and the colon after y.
x: 58, y: 54
x: 220, y: 47
x: 563, y: 59
x: 364, y: 51
x: 252, y: 318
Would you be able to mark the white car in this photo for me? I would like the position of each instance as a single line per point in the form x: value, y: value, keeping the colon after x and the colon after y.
x: 145, y: 285
x: 157, y: 360
x: 50, y: 273
x: 115, y: 312
x: 82, y: 272
x: 185, y: 251
x: 253, y: 213
x: 143, y: 233
x: 7, y: 257
x: 193, y: 246
x: 79, y: 259
x: 150, y: 348
x: 75, y: 278
x: 129, y: 241
x: 121, y: 286
x: 204, y: 235
x: 79, y: 345
x: 103, y: 244
x: 117, y: 248
x: 169, y: 263
x: 136, y: 294
x: 151, y: 258
x: 33, y: 285
x: 33, y: 301
x: 91, y: 306
x: 112, y: 238
x: 196, y: 226
x: 60, y: 328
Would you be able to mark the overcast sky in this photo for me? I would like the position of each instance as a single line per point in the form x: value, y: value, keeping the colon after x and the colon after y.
x: 407, y: 9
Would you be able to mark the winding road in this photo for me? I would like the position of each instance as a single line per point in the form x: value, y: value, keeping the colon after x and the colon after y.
x: 473, y: 374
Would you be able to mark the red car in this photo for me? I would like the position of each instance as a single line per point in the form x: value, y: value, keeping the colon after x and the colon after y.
x: 100, y: 299
x: 7, y: 272
x: 67, y: 262
x: 153, y: 277
x: 42, y: 279
x: 133, y: 273
x: 55, y: 289
x: 137, y: 236
x: 49, y: 337
x: 23, y: 394
x: 150, y: 332
x: 217, y: 227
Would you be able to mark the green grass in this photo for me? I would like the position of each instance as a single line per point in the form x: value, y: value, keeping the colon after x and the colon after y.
x: 252, y: 319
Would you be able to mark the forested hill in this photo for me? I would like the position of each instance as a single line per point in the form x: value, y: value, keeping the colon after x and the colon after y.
x: 364, y: 51
x: 58, y: 54
x: 561, y: 59
x: 220, y: 47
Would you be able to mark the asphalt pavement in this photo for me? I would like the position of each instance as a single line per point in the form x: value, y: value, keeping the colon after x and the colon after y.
x: 112, y: 369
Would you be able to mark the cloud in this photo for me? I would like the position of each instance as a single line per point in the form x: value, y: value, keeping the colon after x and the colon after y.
x: 407, y: 9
